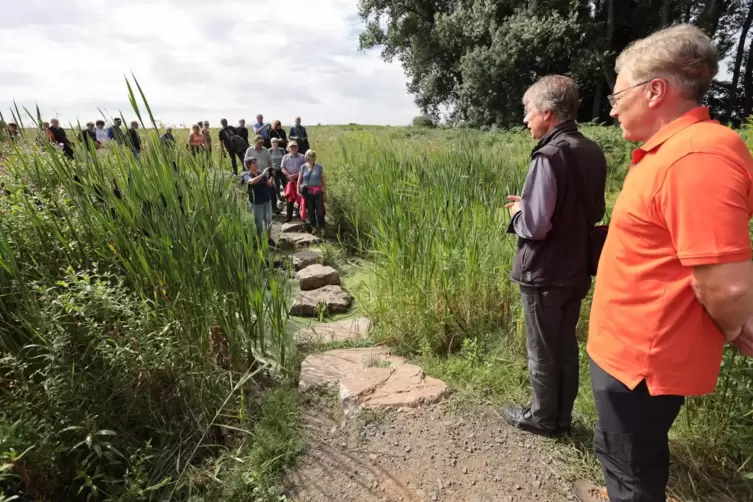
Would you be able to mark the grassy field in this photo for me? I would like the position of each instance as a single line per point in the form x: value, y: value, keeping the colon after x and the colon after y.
x: 426, y: 206
x: 133, y: 325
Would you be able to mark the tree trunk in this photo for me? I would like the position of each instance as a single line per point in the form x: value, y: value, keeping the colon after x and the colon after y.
x: 666, y: 7
x: 709, y: 19
x: 748, y: 86
x: 688, y: 9
x: 732, y: 103
x: 598, y: 96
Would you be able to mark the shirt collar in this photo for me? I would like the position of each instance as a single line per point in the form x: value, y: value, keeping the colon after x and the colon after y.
x: 697, y: 114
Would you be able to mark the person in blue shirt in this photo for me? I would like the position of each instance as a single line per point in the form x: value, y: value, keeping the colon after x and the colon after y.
x: 263, y: 129
x: 115, y: 133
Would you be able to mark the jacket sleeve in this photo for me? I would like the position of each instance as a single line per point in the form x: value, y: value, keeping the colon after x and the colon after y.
x: 537, y: 202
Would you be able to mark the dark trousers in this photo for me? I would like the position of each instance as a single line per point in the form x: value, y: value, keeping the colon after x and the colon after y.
x: 280, y: 181
x: 551, y: 315
x: 631, y: 438
x: 314, y: 208
x: 232, y: 161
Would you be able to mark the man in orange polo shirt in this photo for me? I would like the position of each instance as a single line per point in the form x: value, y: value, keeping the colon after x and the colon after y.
x: 675, y: 279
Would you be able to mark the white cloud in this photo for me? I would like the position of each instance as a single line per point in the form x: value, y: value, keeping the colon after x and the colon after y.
x: 198, y: 60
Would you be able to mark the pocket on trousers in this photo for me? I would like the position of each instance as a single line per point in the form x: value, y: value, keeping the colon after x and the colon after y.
x: 615, y: 450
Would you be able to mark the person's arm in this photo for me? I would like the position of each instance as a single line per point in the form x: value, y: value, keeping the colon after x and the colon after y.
x: 705, y: 204
x: 533, y: 220
x: 283, y: 162
x: 254, y: 180
x: 298, y: 183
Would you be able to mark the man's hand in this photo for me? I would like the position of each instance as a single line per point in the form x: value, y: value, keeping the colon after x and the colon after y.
x: 744, y: 342
x: 514, y: 205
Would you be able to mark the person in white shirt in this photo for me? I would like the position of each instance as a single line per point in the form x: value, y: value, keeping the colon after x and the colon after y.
x: 101, y: 133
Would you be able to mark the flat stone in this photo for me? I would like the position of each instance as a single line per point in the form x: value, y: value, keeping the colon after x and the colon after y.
x: 338, y: 331
x: 327, y: 368
x: 293, y: 226
x: 303, y: 259
x: 401, y: 386
x: 298, y: 239
x: 334, y: 298
x: 316, y: 276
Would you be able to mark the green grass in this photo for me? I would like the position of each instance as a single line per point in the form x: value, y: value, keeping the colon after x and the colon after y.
x: 425, y: 208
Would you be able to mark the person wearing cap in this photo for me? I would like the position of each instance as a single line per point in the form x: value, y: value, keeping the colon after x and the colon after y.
x: 277, y: 153
x: 101, y: 133
x: 290, y: 165
x: 259, y: 203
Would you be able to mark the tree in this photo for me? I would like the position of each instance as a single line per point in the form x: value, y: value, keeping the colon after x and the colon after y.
x: 476, y: 57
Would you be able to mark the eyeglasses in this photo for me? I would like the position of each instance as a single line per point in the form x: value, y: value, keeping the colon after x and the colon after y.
x: 612, y: 98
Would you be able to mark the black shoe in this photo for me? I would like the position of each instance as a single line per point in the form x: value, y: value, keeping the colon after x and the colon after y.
x: 288, y: 220
x: 271, y: 243
x: 520, y: 417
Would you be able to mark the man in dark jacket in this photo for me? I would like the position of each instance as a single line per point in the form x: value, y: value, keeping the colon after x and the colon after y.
x: 134, y: 140
x: 61, y: 138
x: 562, y: 199
x: 89, y: 136
x: 229, y: 142
x: 242, y: 130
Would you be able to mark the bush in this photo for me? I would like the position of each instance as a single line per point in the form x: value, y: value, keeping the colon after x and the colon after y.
x: 424, y: 120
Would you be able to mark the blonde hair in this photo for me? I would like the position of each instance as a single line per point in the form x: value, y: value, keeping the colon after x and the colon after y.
x: 554, y: 93
x: 310, y: 155
x: 682, y: 54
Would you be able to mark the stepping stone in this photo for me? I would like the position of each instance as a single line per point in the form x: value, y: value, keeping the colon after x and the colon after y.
x: 293, y: 226
x: 303, y: 259
x: 402, y: 386
x: 338, y: 331
x: 327, y: 368
x: 334, y: 298
x: 316, y: 276
x: 370, y: 378
x: 298, y: 239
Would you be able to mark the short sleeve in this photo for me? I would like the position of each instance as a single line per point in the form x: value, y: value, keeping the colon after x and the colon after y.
x: 706, y: 204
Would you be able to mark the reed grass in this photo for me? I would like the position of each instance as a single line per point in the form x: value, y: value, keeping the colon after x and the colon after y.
x: 137, y: 311
x: 426, y: 206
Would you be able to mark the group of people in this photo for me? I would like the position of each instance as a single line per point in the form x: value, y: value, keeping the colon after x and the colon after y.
x: 673, y: 270
x: 278, y: 174
x: 94, y: 135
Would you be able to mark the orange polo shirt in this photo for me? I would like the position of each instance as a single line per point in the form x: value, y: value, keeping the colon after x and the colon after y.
x: 686, y: 201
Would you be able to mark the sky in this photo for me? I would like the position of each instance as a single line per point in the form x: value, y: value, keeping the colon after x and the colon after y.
x: 197, y: 60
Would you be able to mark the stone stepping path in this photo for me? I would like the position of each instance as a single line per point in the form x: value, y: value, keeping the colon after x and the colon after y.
x: 370, y: 378
x: 338, y: 331
x: 316, y: 276
x: 303, y: 259
x: 296, y: 239
x: 292, y: 227
x: 334, y: 298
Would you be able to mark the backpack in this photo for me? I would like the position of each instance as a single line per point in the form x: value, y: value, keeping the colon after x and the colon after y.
x: 237, y: 144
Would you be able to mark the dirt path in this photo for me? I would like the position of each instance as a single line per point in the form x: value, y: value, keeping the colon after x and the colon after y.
x: 427, y: 454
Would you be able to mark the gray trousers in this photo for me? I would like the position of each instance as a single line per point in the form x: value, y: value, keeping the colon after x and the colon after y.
x: 551, y: 315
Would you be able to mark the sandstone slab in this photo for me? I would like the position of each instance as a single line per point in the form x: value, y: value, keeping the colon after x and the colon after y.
x: 303, y: 259
x: 298, y: 239
x: 327, y: 368
x: 401, y: 386
x: 333, y: 298
x: 293, y: 226
x: 316, y: 276
x: 338, y: 331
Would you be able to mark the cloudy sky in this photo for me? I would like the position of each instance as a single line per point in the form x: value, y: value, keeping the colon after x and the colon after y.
x: 197, y: 59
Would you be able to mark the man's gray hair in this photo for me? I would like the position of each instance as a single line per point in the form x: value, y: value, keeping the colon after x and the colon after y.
x: 554, y: 93
x: 683, y: 54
